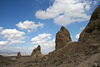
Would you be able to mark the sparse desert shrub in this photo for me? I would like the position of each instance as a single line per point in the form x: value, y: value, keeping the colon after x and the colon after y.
x: 7, y: 63
x: 13, y: 61
x: 75, y: 60
x: 35, y: 61
x: 31, y: 62
x: 87, y: 53
x: 57, y: 61
x: 52, y: 61
x: 2, y: 61
x: 94, y: 65
x: 30, y: 65
x: 95, y: 52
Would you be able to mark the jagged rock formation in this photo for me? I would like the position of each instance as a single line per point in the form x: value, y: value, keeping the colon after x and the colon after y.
x: 4, y: 61
x: 62, y: 38
x: 91, y: 34
x: 69, y: 54
x: 36, y: 51
x: 74, y: 53
x: 18, y: 55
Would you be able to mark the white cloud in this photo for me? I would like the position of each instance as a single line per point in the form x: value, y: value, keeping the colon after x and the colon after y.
x: 41, y: 37
x: 33, y: 47
x: 87, y: 7
x: 1, y: 28
x: 29, y: 25
x: 77, y: 36
x: 17, y: 42
x: 13, y: 35
x: 29, y: 31
x: 95, y: 2
x: 45, y: 42
x: 3, y: 43
x: 65, y: 12
x: 71, y: 37
x: 11, y: 50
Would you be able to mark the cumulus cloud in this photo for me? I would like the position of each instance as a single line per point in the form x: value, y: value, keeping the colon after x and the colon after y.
x: 29, y: 31
x: 3, y: 43
x: 45, y: 42
x: 13, y: 35
x: 16, y: 42
x: 29, y: 25
x: 65, y: 12
x: 87, y: 7
x: 1, y: 28
x: 11, y: 50
x: 77, y: 36
x: 33, y: 47
x: 95, y: 2
x: 40, y: 38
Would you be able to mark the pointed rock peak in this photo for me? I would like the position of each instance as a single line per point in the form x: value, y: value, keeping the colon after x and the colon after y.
x: 18, y: 55
x: 62, y: 28
x: 39, y: 47
x: 62, y: 38
x: 36, y: 50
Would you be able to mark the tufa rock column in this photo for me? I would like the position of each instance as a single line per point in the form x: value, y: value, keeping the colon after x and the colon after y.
x: 18, y: 55
x: 62, y: 38
x: 36, y: 51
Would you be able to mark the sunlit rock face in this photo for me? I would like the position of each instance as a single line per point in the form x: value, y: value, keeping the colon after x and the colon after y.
x: 18, y: 55
x: 36, y: 51
x: 62, y: 38
x: 91, y: 34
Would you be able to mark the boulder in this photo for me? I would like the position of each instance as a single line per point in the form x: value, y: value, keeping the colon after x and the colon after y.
x: 36, y: 51
x: 62, y: 38
x: 18, y: 55
x: 91, y: 34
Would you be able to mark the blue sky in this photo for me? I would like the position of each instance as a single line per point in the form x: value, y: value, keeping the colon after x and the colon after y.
x: 24, y: 24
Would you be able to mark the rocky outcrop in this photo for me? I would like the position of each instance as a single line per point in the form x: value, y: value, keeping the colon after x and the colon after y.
x: 93, y: 61
x: 18, y: 55
x: 62, y: 38
x: 91, y: 34
x: 4, y: 61
x: 36, y: 51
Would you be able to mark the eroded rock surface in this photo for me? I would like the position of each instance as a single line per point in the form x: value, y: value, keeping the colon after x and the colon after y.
x: 36, y: 51
x: 91, y: 34
x: 18, y: 55
x: 62, y: 38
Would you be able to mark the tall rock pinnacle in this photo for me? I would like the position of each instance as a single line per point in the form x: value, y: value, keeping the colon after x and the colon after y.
x: 62, y: 38
x: 36, y: 51
x: 18, y: 55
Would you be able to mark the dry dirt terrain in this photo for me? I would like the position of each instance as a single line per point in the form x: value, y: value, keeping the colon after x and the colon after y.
x: 84, y: 53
